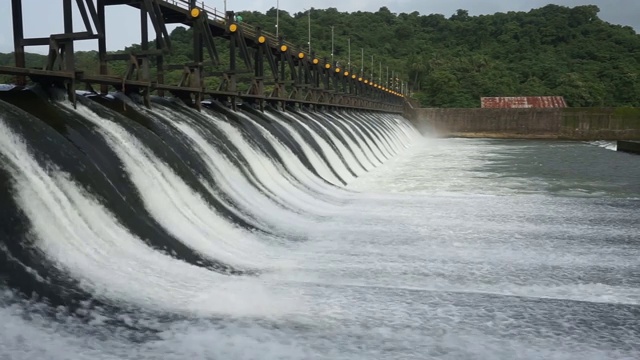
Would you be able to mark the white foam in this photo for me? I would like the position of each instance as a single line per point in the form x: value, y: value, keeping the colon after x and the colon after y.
x: 349, y: 157
x: 609, y: 145
x: 337, y: 164
x: 275, y: 177
x: 181, y: 210
x: 354, y: 146
x: 81, y: 237
x: 236, y: 184
x: 318, y: 163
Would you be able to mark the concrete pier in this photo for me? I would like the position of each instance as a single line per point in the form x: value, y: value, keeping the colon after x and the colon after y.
x: 632, y: 147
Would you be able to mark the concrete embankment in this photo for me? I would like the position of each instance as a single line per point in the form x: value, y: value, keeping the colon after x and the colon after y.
x: 632, y: 147
x: 531, y: 123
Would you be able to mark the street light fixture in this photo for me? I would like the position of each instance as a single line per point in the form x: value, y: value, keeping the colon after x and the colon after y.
x: 332, y: 45
x: 371, y: 67
x: 388, y: 76
x: 309, y: 17
x: 349, y: 58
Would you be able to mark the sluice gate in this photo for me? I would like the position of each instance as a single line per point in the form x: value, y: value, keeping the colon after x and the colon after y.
x: 273, y: 71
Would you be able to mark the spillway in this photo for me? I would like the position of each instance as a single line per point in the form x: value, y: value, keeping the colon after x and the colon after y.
x: 129, y: 232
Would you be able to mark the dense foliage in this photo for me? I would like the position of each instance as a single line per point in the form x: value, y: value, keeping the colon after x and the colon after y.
x: 452, y: 62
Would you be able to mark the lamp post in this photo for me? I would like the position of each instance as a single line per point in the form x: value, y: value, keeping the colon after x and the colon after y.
x: 393, y: 81
x: 349, y: 56
x: 371, y: 67
x: 309, y: 26
x: 277, y: 17
x: 309, y: 31
x: 361, y: 61
x: 332, y: 46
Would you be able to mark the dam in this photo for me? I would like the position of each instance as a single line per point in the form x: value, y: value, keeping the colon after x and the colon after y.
x: 215, y: 224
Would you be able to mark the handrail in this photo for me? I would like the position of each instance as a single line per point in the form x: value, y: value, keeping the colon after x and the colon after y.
x: 215, y: 15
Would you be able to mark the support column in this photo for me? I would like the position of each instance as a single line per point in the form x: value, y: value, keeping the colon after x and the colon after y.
x: 18, y: 36
x: 197, y: 43
x: 144, y: 45
x: 69, y: 59
x: 283, y: 62
x: 160, y: 64
x: 102, y: 44
x: 144, y: 42
x: 198, y: 58
x: 233, y: 45
x: 144, y: 29
x: 258, y: 71
x: 68, y: 29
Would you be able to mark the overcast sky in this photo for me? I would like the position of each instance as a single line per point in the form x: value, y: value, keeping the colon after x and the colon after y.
x: 45, y: 16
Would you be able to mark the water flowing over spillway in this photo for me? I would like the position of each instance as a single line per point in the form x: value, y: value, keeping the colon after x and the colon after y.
x: 167, y: 233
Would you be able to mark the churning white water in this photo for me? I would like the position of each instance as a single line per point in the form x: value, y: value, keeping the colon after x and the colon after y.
x: 451, y: 249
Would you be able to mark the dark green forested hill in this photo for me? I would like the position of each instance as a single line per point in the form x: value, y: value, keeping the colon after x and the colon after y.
x: 452, y: 62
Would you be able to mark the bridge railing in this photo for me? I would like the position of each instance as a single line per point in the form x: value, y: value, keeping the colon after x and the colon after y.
x: 216, y: 15
x: 212, y: 13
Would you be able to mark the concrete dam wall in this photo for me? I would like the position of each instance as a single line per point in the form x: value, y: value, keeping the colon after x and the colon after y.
x: 531, y: 123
